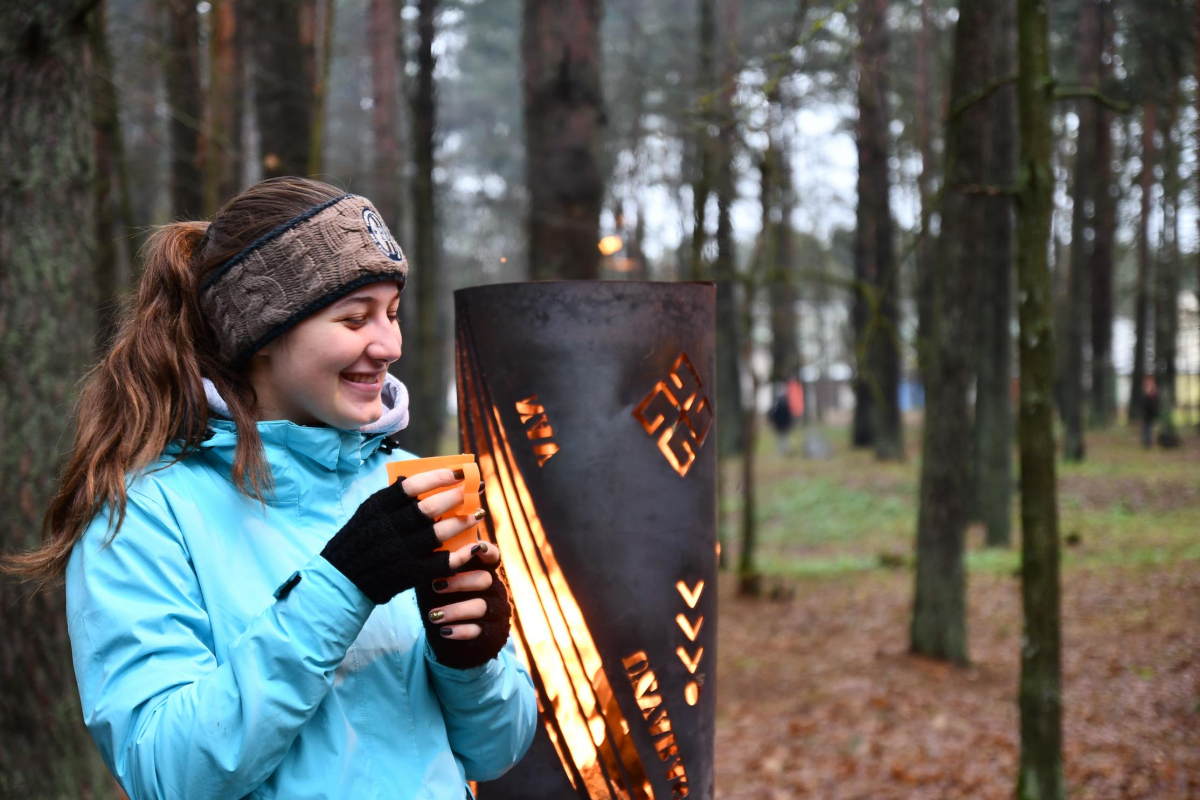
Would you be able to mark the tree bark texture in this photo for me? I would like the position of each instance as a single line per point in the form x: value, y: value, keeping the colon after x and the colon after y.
x: 1040, y: 775
x: 110, y: 156
x: 385, y: 113
x: 876, y: 270
x: 730, y: 429
x: 781, y: 270
x: 993, y: 468
x: 316, y: 150
x: 184, y: 97
x: 560, y: 53
x: 939, y: 627
x: 283, y: 98
x: 1166, y: 285
x: 707, y: 90
x: 1142, y: 296
x: 925, y: 123
x: 47, y: 310
x: 424, y: 364
x: 227, y: 105
x: 1104, y: 377
x: 1083, y: 197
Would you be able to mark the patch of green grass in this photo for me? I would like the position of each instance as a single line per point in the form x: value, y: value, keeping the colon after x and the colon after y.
x: 852, y: 514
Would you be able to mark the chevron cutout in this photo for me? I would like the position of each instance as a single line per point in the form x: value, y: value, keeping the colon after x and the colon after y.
x: 689, y: 662
x: 690, y: 596
x: 686, y: 626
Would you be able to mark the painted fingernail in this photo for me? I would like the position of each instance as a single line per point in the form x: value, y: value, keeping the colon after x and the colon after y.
x: 479, y: 548
x: 447, y: 631
x: 459, y: 474
x: 440, y: 585
x: 480, y: 513
x: 481, y: 487
x: 437, y: 615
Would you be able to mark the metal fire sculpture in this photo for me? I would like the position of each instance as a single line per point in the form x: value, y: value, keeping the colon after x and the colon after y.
x: 590, y: 408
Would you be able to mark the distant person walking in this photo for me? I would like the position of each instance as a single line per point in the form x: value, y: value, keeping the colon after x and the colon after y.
x: 781, y: 421
x: 1149, y: 409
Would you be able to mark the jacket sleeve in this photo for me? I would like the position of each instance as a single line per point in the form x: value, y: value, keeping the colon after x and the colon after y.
x: 490, y: 712
x: 168, y: 720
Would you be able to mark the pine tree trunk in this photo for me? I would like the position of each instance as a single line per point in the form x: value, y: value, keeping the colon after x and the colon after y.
x: 1166, y: 306
x: 1104, y: 378
x: 993, y: 405
x: 426, y: 367
x: 227, y: 105
x: 283, y: 98
x: 1142, y: 298
x: 1083, y: 195
x: 939, y: 608
x: 316, y: 150
x: 879, y: 336
x: 184, y: 99
x: 560, y: 46
x: 781, y: 271
x: 925, y: 247
x: 385, y: 114
x: 730, y: 428
x: 707, y: 90
x: 47, y: 311
x: 1104, y: 392
x: 110, y: 157
x: 1040, y: 775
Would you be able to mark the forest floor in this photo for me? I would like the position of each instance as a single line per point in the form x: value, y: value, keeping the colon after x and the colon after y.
x: 818, y: 696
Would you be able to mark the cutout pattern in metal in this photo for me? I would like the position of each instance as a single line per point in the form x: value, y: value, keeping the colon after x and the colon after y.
x: 677, y: 398
x: 537, y: 428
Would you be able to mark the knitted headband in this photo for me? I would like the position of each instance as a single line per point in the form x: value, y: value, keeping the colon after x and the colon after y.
x: 297, y: 269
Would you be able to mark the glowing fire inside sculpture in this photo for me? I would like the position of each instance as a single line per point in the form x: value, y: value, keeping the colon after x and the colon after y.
x: 624, y: 713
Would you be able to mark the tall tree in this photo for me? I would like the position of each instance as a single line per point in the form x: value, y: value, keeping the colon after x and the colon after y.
x: 283, y: 98
x: 227, y: 106
x: 1083, y: 197
x: 993, y: 405
x: 939, y: 607
x: 781, y: 269
x: 1040, y: 776
x: 426, y: 367
x: 385, y: 114
x: 877, y: 385
x: 730, y: 428
x: 1142, y: 296
x: 1166, y: 285
x: 110, y: 160
x: 560, y: 49
x: 1104, y: 377
x: 706, y: 93
x: 925, y: 179
x: 47, y: 309
x: 185, y: 99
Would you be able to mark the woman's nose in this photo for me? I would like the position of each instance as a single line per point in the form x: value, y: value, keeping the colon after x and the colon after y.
x: 387, y: 345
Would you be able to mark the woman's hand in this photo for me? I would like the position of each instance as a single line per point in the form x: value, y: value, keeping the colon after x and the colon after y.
x: 474, y: 582
x: 390, y: 543
x: 466, y: 613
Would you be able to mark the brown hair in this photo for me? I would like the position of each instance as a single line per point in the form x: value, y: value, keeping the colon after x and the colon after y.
x: 147, y: 392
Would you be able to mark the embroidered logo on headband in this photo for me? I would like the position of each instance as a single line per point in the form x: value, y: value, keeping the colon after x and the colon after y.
x: 380, y: 235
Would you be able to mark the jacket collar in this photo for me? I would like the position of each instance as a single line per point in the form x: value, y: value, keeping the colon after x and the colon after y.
x: 324, y: 445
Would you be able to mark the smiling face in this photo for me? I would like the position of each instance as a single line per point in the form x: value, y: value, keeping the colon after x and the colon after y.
x: 329, y: 369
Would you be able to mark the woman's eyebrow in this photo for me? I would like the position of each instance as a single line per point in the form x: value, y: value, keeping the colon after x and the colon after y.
x: 364, y: 299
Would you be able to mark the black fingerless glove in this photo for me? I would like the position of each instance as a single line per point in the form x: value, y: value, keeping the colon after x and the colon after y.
x: 466, y: 653
x: 388, y: 546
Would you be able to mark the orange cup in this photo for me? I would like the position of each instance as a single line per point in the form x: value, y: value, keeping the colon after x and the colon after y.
x: 470, y: 481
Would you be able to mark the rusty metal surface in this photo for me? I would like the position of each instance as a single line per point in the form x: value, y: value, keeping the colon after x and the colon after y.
x: 600, y: 395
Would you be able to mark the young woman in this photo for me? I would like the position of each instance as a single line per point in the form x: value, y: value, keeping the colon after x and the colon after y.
x: 252, y: 613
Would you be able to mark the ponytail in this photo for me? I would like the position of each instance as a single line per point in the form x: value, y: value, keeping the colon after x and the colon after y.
x: 145, y: 394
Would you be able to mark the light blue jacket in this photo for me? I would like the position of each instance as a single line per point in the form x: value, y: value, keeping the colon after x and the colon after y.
x: 197, y: 681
